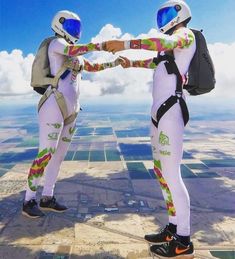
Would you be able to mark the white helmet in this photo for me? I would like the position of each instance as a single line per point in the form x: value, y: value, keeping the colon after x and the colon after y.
x: 172, y: 13
x: 67, y: 25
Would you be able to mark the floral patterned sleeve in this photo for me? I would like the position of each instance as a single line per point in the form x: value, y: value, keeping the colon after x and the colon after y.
x: 95, y: 67
x: 180, y: 39
x: 76, y: 50
x: 147, y: 63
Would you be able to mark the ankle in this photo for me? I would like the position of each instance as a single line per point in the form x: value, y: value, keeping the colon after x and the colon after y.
x: 172, y: 228
x: 185, y: 240
x: 27, y: 201
x: 46, y: 198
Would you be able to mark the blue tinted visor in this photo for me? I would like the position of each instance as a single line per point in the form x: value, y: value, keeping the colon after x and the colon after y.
x: 73, y: 27
x: 165, y: 15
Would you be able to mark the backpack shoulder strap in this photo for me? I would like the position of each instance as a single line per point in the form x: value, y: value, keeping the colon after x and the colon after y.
x: 56, y: 78
x: 171, y: 68
x: 68, y: 64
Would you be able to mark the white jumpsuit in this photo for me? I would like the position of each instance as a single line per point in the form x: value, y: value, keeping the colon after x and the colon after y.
x: 54, y: 135
x: 167, y: 139
x: 167, y: 142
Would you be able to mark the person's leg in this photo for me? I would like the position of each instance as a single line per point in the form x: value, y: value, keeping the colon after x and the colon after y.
x: 50, y: 127
x: 165, y: 235
x: 53, y: 167
x: 158, y: 172
x: 170, y: 149
x: 48, y: 201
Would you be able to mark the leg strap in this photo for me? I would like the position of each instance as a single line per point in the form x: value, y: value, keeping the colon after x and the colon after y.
x: 45, y: 96
x: 71, y: 118
x: 166, y: 107
x: 61, y: 103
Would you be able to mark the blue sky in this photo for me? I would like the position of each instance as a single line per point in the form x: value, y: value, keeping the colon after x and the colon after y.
x: 24, y: 23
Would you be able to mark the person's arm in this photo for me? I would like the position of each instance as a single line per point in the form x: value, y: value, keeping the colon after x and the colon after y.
x: 146, y: 63
x: 62, y: 47
x: 76, y: 50
x: 96, y: 67
x: 163, y: 42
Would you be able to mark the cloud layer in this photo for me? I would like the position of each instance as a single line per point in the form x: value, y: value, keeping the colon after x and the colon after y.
x: 130, y: 84
x: 15, y: 73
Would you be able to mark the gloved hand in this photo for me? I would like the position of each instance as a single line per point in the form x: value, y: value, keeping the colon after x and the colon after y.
x: 114, y: 46
x: 124, y: 62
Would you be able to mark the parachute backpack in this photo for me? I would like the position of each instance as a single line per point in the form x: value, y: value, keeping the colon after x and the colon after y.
x: 41, y: 78
x: 200, y: 78
x: 201, y: 73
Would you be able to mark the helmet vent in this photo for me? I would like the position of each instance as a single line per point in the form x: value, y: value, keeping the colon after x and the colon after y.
x: 177, y: 8
x: 61, y: 20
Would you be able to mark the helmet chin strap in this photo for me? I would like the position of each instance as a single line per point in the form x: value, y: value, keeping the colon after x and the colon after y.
x: 65, y: 37
x: 170, y: 32
x: 68, y: 40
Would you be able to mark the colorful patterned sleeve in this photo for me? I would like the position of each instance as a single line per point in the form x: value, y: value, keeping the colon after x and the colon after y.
x: 76, y: 50
x: 95, y: 67
x: 180, y: 39
x: 147, y: 63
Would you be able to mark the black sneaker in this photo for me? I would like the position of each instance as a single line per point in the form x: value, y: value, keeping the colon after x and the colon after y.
x: 163, y: 236
x: 31, y: 210
x: 173, y: 249
x: 52, y: 205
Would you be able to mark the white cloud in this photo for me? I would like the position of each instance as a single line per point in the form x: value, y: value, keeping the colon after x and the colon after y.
x: 127, y: 84
x: 116, y: 83
x: 135, y: 83
x: 15, y: 72
x: 108, y: 32
x: 223, y: 56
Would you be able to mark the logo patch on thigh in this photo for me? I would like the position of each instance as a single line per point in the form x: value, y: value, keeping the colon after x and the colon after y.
x: 71, y: 130
x: 54, y: 125
x: 165, y: 153
x: 65, y: 139
x: 53, y: 136
x: 163, y: 139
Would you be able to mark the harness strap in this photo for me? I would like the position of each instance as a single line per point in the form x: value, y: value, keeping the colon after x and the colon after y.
x: 53, y: 80
x: 155, y: 123
x: 184, y: 110
x: 61, y: 103
x: 71, y: 118
x: 76, y: 67
x: 58, y: 75
x: 167, y: 105
x: 172, y: 68
x: 60, y: 100
x: 160, y: 58
x: 46, y: 95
